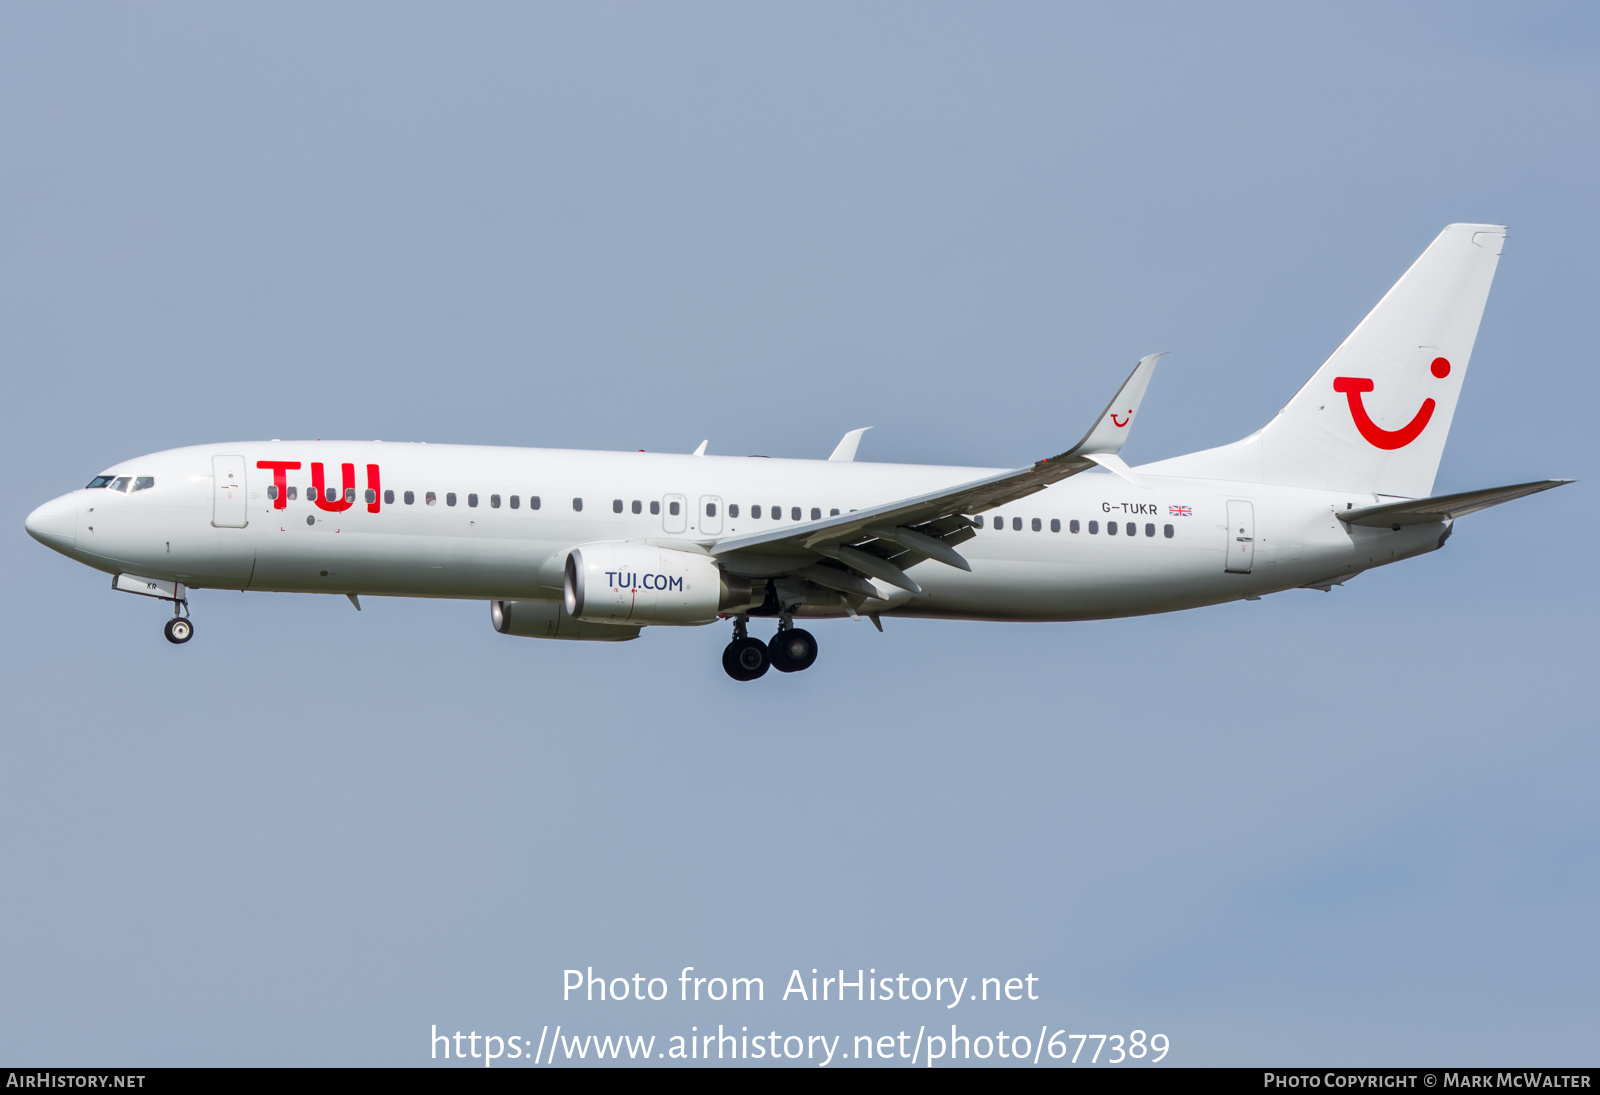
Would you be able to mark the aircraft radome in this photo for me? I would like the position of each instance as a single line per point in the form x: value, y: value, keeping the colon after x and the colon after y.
x: 567, y: 544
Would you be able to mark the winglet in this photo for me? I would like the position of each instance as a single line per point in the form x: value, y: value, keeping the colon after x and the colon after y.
x: 846, y: 448
x: 1107, y: 435
x: 701, y: 451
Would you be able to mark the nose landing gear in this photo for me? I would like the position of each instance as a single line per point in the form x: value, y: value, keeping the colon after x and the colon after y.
x: 179, y: 629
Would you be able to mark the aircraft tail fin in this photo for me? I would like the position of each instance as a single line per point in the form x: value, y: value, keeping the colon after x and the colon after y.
x: 1375, y: 417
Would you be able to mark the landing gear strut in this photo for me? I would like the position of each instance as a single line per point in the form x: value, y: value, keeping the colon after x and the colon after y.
x: 179, y: 629
x: 745, y: 658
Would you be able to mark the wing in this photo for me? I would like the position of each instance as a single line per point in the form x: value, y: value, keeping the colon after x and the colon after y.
x: 882, y: 541
x: 1422, y: 511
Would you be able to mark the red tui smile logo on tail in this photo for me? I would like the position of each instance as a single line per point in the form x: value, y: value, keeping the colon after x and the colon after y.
x: 1353, y: 387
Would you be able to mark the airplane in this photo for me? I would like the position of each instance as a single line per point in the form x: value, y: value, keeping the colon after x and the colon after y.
x: 581, y: 545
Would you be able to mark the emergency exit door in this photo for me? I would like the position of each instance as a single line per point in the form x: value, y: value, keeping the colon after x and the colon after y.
x: 674, y: 513
x: 1241, y: 537
x: 710, y: 515
x: 229, y: 503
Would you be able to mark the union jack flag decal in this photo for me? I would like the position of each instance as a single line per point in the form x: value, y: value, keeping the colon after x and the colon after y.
x: 1179, y: 511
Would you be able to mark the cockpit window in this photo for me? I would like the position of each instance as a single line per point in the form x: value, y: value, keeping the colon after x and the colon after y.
x: 144, y: 482
x: 121, y: 483
x: 98, y: 481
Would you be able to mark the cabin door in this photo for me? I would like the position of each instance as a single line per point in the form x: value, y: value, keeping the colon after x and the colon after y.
x: 1241, y: 537
x: 229, y: 503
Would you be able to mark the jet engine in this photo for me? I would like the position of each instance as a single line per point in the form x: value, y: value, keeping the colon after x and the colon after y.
x: 639, y: 584
x: 549, y: 620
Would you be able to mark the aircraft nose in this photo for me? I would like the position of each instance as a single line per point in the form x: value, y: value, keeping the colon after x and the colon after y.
x: 55, y: 524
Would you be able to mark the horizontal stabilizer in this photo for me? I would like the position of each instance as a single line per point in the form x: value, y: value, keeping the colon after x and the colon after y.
x: 1423, y: 511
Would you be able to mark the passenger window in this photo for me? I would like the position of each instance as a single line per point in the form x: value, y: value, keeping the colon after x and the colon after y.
x: 349, y: 494
x: 999, y: 523
x: 794, y: 512
x: 533, y: 501
x: 1055, y: 524
x: 577, y: 505
x: 711, y: 509
x: 372, y: 496
x: 144, y: 482
x: 733, y: 510
x: 292, y: 492
x: 98, y: 481
x: 330, y: 493
x: 755, y: 512
x: 410, y: 497
x: 638, y: 507
x: 674, y: 508
x: 1016, y: 524
x: 655, y: 509
x: 616, y: 505
x: 1149, y: 530
x: 1072, y: 525
x: 816, y: 513
x: 516, y: 501
x: 1036, y: 525
x: 494, y: 501
x: 1132, y: 529
x: 833, y: 513
x: 777, y: 513
x: 472, y: 500
x: 430, y: 498
x: 272, y: 492
x: 388, y: 497
x: 1111, y: 528
x: 450, y: 498
x: 1166, y: 530
x: 1094, y: 527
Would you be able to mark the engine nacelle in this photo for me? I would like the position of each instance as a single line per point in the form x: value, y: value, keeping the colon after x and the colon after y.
x: 549, y: 620
x: 639, y: 584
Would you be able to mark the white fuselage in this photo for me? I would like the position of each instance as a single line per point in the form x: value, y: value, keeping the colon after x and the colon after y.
x: 1170, y: 549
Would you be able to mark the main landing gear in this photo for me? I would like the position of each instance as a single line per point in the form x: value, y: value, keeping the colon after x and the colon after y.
x: 792, y: 649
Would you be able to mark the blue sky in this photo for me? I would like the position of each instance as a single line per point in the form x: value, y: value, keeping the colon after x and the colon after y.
x: 1355, y: 827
